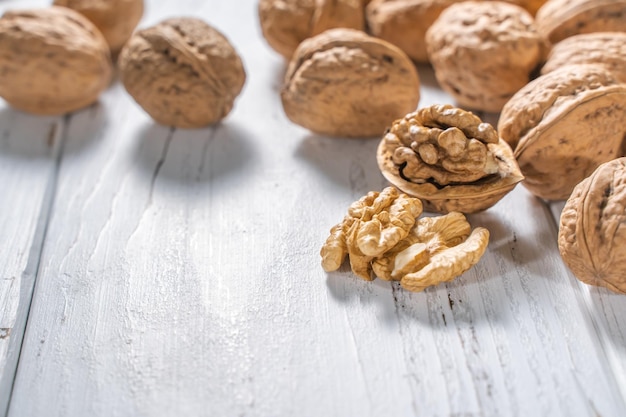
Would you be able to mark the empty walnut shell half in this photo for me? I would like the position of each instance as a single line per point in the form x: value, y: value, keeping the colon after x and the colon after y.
x: 182, y: 72
x: 592, y: 232
x: 448, y: 158
x: 346, y: 83
x: 560, y: 19
x: 483, y: 52
x: 116, y: 19
x: 606, y: 48
x: 286, y: 23
x: 52, y: 61
x: 563, y: 125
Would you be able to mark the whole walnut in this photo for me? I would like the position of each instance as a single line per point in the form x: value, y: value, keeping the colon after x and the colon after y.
x: 286, y: 23
x: 52, y: 61
x: 182, y: 72
x: 346, y: 83
x: 606, y: 48
x: 560, y: 19
x: 564, y: 124
x: 592, y: 232
x: 483, y: 52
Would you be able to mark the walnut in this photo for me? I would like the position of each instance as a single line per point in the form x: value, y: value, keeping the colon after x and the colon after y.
x: 286, y: 23
x: 560, y: 19
x: 346, y: 83
x: 483, y: 52
x: 116, y: 19
x: 592, y: 232
x: 183, y: 72
x: 381, y: 233
x: 563, y: 125
x: 606, y: 48
x: 437, y: 249
x: 52, y: 61
x: 374, y: 224
x: 448, y: 158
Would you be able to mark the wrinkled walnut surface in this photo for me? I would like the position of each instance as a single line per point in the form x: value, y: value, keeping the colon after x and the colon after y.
x: 448, y: 158
x: 483, y: 52
x: 286, y: 23
x: 563, y: 125
x: 52, y: 61
x: 346, y: 83
x: 592, y: 232
x: 404, y: 23
x: 182, y: 72
x: 606, y: 48
x: 116, y: 19
x: 560, y: 19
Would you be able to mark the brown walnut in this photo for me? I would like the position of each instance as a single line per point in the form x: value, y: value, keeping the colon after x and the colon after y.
x: 182, y: 72
x: 560, y: 19
x: 346, y: 83
x: 563, y: 125
x: 116, y: 19
x: 483, y: 52
x: 592, y: 232
x: 52, y: 61
x: 448, y: 158
x: 286, y: 23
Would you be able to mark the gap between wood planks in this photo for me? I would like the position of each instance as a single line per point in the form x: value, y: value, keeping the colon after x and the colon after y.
x: 56, y: 141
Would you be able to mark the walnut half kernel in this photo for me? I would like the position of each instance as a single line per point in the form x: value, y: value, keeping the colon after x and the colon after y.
x: 381, y: 234
x: 448, y: 158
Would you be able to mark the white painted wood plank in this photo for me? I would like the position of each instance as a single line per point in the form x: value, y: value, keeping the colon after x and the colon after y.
x: 180, y: 275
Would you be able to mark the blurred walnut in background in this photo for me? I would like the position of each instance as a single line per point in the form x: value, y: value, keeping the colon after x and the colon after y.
x: 116, y: 19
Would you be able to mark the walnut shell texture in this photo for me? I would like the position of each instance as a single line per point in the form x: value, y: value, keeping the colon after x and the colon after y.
x: 592, y: 232
x: 563, y: 125
x: 346, y: 83
x: 116, y: 19
x: 560, y: 19
x: 449, y: 159
x: 286, y: 23
x: 606, y: 48
x: 182, y: 72
x: 52, y: 61
x: 483, y: 52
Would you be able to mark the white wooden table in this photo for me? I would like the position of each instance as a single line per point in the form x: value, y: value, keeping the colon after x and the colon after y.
x: 146, y: 271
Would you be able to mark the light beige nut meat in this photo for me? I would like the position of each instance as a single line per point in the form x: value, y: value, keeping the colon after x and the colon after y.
x: 448, y: 158
x: 606, y: 48
x: 52, y: 61
x: 116, y: 19
x: 404, y: 23
x: 483, y: 52
x: 560, y: 19
x: 437, y: 249
x: 374, y: 224
x: 286, y: 23
x: 592, y: 232
x: 182, y: 72
x: 563, y: 125
x: 346, y: 83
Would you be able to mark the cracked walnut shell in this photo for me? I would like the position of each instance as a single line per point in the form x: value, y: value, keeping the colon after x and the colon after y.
x: 563, y: 125
x: 346, y: 83
x: 286, y: 23
x: 560, y: 19
x: 182, y: 72
x: 483, y: 52
x: 116, y: 19
x: 592, y: 232
x: 448, y: 158
x: 52, y: 61
x: 381, y: 234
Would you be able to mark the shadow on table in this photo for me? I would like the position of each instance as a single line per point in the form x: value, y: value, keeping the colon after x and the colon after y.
x: 191, y: 156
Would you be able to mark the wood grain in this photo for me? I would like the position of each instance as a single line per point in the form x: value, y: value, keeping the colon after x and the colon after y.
x: 179, y: 274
